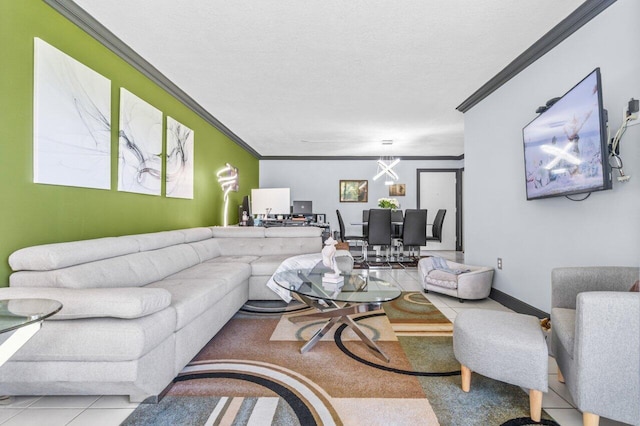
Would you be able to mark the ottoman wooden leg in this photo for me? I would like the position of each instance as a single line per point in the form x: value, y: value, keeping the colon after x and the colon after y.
x: 590, y: 419
x: 466, y: 378
x: 535, y: 404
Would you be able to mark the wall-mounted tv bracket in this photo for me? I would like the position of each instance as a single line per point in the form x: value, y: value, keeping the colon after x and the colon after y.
x: 629, y: 113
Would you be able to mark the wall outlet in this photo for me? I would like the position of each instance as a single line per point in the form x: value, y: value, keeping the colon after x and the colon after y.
x: 499, y: 263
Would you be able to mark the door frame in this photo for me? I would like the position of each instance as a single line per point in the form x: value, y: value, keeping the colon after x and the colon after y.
x: 458, y: 172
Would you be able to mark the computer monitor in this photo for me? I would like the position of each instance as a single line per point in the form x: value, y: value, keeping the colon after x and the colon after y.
x: 302, y: 208
x: 274, y: 201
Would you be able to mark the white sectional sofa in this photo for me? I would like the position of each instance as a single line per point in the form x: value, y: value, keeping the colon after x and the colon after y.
x: 138, y: 308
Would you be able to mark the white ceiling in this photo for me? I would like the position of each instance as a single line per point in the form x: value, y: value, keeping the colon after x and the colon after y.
x: 332, y: 77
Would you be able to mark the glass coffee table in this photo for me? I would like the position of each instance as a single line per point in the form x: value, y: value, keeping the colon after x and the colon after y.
x: 359, y: 294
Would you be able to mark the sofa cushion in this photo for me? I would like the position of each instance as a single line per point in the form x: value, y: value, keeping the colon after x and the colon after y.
x: 293, y: 232
x: 235, y: 259
x: 192, y: 235
x: 442, y: 279
x: 132, y: 270
x: 158, y: 240
x: 563, y: 321
x: 47, y: 257
x: 237, y: 232
x: 130, y: 302
x: 206, y: 249
x: 99, y: 339
x: 198, y: 288
x: 235, y: 272
x: 267, y: 265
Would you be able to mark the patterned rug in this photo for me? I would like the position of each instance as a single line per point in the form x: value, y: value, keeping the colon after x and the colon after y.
x: 252, y: 373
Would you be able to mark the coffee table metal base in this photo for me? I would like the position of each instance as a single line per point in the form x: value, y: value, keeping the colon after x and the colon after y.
x: 337, y: 315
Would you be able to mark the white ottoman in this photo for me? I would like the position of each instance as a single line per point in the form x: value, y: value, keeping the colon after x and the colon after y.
x: 504, y: 346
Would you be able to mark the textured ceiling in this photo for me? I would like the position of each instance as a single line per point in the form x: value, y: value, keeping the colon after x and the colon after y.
x: 332, y: 77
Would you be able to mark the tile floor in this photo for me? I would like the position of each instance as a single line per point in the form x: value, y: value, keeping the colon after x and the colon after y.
x: 112, y: 410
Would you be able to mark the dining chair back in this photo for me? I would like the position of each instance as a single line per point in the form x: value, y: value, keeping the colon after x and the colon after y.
x: 436, y: 229
x: 379, y: 227
x: 414, y: 230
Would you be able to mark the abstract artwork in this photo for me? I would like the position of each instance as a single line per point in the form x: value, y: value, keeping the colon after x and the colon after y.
x: 72, y: 121
x: 354, y: 191
x: 140, y: 146
x: 397, y: 190
x: 179, y: 160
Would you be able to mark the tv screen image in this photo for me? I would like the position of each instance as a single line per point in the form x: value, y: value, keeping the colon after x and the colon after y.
x: 565, y: 147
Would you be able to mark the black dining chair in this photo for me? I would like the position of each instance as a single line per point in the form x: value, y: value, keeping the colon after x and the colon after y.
x: 365, y: 223
x: 347, y: 238
x: 379, y: 228
x: 414, y: 230
x: 436, y: 228
x: 397, y: 218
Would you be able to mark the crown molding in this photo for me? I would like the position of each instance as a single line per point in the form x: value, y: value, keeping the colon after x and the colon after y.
x: 358, y: 158
x: 95, y: 29
x: 582, y: 15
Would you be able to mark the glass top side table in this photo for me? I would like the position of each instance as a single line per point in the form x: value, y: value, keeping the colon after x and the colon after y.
x: 24, y: 317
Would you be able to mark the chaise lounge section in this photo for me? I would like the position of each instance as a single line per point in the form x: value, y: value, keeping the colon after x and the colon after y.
x: 138, y: 308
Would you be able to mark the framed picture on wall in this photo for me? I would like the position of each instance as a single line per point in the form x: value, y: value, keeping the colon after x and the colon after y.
x: 397, y: 190
x: 354, y: 191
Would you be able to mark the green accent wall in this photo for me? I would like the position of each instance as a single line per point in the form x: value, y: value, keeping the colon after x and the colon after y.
x: 34, y: 214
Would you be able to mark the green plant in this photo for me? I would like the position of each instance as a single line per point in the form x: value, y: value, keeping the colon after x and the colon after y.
x: 388, y: 203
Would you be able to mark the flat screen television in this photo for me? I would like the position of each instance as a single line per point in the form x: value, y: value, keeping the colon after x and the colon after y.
x: 565, y: 147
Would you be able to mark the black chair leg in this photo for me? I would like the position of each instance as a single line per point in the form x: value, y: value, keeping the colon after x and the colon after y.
x: 460, y: 300
x: 426, y: 291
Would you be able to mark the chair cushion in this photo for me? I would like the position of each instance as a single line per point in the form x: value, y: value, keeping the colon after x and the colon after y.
x: 563, y: 322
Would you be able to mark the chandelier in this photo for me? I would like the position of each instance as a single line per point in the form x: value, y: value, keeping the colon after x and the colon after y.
x: 386, y: 165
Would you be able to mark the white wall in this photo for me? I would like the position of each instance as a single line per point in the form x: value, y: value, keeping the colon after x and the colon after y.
x: 533, y: 237
x: 318, y: 181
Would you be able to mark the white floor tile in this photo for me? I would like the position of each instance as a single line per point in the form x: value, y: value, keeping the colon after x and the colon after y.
x: 114, y: 401
x: 553, y: 367
x: 408, y: 285
x: 560, y: 388
x: 7, y: 413
x: 551, y: 399
x: 65, y: 401
x: 102, y: 417
x: 449, y: 313
x: 565, y: 416
x: 44, y: 416
x: 19, y: 402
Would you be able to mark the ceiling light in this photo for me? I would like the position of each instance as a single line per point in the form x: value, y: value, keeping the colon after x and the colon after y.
x: 386, y: 165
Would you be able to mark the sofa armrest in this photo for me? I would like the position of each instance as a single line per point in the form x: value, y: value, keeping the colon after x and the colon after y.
x: 475, y: 284
x: 607, y: 354
x: 78, y: 303
x: 566, y: 283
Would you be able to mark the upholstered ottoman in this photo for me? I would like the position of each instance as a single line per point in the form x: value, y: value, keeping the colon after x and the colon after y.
x: 504, y: 346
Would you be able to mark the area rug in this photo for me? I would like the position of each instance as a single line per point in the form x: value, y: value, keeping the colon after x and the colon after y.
x: 252, y: 373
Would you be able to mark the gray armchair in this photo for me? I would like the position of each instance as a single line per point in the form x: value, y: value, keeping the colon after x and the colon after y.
x: 595, y: 339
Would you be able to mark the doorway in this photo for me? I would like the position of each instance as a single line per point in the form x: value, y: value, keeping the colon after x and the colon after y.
x: 442, y: 189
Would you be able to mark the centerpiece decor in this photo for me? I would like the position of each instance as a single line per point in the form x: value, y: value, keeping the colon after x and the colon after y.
x: 388, y: 203
x: 331, y: 280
